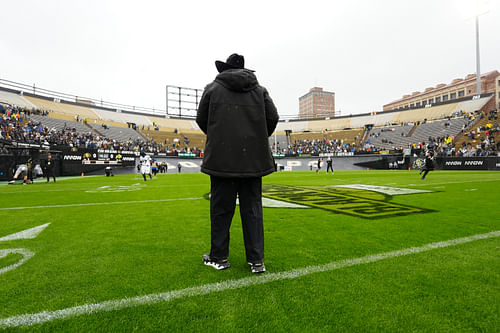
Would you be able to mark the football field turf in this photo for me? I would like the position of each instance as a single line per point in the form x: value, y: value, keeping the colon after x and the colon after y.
x: 354, y: 251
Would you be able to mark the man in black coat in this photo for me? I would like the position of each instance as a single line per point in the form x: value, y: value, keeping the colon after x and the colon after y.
x: 50, y: 168
x: 238, y: 116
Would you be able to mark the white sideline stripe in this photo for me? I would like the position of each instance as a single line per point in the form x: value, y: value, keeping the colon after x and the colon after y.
x: 42, y: 179
x: 465, y: 181
x: 46, y: 316
x: 99, y: 203
x: 25, y: 234
x: 27, y: 254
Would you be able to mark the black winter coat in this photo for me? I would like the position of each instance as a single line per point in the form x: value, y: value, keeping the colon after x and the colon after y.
x: 238, y: 116
x: 429, y: 163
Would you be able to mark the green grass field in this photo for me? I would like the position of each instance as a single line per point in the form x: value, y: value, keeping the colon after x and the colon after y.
x: 121, y: 254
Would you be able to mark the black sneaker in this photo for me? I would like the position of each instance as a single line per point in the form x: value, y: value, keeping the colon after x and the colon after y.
x: 218, y: 264
x: 257, y: 267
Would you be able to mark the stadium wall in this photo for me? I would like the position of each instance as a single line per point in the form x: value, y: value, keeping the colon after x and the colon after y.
x: 297, y: 163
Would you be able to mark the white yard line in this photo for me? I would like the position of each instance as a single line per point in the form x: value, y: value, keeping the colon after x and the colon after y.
x: 87, y: 309
x: 27, y: 254
x: 98, y: 203
x: 25, y: 234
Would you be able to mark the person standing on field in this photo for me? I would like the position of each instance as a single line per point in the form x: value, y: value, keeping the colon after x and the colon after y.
x: 49, y: 168
x: 145, y: 163
x: 329, y: 164
x: 318, y: 169
x: 237, y: 115
x: 428, y: 166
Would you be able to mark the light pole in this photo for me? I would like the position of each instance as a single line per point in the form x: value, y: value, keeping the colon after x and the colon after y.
x: 481, y: 7
x: 478, y: 71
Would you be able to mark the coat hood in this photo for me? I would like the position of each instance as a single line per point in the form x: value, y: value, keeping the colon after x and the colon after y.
x: 239, y: 80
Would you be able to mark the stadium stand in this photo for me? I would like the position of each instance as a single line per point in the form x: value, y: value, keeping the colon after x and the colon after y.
x: 121, y: 117
x: 120, y: 134
x: 441, y: 111
x: 472, y: 105
x: 405, y: 136
x: 60, y: 124
x: 445, y: 124
x: 440, y: 128
x: 351, y: 136
x: 294, y: 126
x: 329, y: 125
x: 15, y: 99
x: 429, y: 113
x: 384, y: 118
x: 388, y: 137
x: 480, y: 129
x: 63, y: 110
x: 172, y: 123
x: 277, y: 141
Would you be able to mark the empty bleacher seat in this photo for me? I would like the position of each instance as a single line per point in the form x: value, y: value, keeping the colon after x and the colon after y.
x: 122, y: 117
x: 69, y: 110
x: 60, y: 124
x: 15, y: 99
x: 120, y: 134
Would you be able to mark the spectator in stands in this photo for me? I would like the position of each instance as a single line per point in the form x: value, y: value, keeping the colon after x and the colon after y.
x: 236, y: 157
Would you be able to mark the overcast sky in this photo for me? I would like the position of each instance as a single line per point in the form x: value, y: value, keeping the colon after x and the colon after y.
x: 368, y: 52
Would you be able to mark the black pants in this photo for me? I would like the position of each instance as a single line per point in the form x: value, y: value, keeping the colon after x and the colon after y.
x: 222, y: 204
x: 50, y: 173
x: 329, y: 167
x: 426, y: 171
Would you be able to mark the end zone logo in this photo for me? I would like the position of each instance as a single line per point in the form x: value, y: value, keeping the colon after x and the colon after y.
x: 365, y: 201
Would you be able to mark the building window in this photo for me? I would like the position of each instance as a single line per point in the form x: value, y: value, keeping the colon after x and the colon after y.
x: 461, y: 93
x: 453, y: 95
x: 424, y: 103
x: 412, y: 105
x: 417, y: 104
x: 438, y: 99
x: 445, y: 98
x: 498, y: 94
x: 431, y: 100
x: 470, y: 91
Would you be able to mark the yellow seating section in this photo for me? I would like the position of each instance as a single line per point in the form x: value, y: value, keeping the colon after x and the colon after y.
x: 63, y: 108
x: 180, y: 124
x: 430, y: 113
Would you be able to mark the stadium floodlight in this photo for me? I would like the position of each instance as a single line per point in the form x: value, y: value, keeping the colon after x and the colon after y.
x: 182, y: 101
x: 474, y: 9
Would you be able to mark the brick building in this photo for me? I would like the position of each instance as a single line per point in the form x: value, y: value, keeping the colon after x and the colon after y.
x: 442, y: 93
x: 317, y: 103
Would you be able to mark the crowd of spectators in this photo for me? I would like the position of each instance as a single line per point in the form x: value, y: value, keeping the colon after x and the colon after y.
x: 316, y: 147
x: 16, y: 126
x: 481, y: 141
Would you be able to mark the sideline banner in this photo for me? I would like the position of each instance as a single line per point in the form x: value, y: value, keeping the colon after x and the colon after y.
x: 469, y: 163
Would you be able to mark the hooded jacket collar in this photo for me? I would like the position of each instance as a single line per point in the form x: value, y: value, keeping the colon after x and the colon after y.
x: 239, y: 80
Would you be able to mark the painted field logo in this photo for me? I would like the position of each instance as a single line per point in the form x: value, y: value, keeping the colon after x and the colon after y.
x: 365, y: 201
